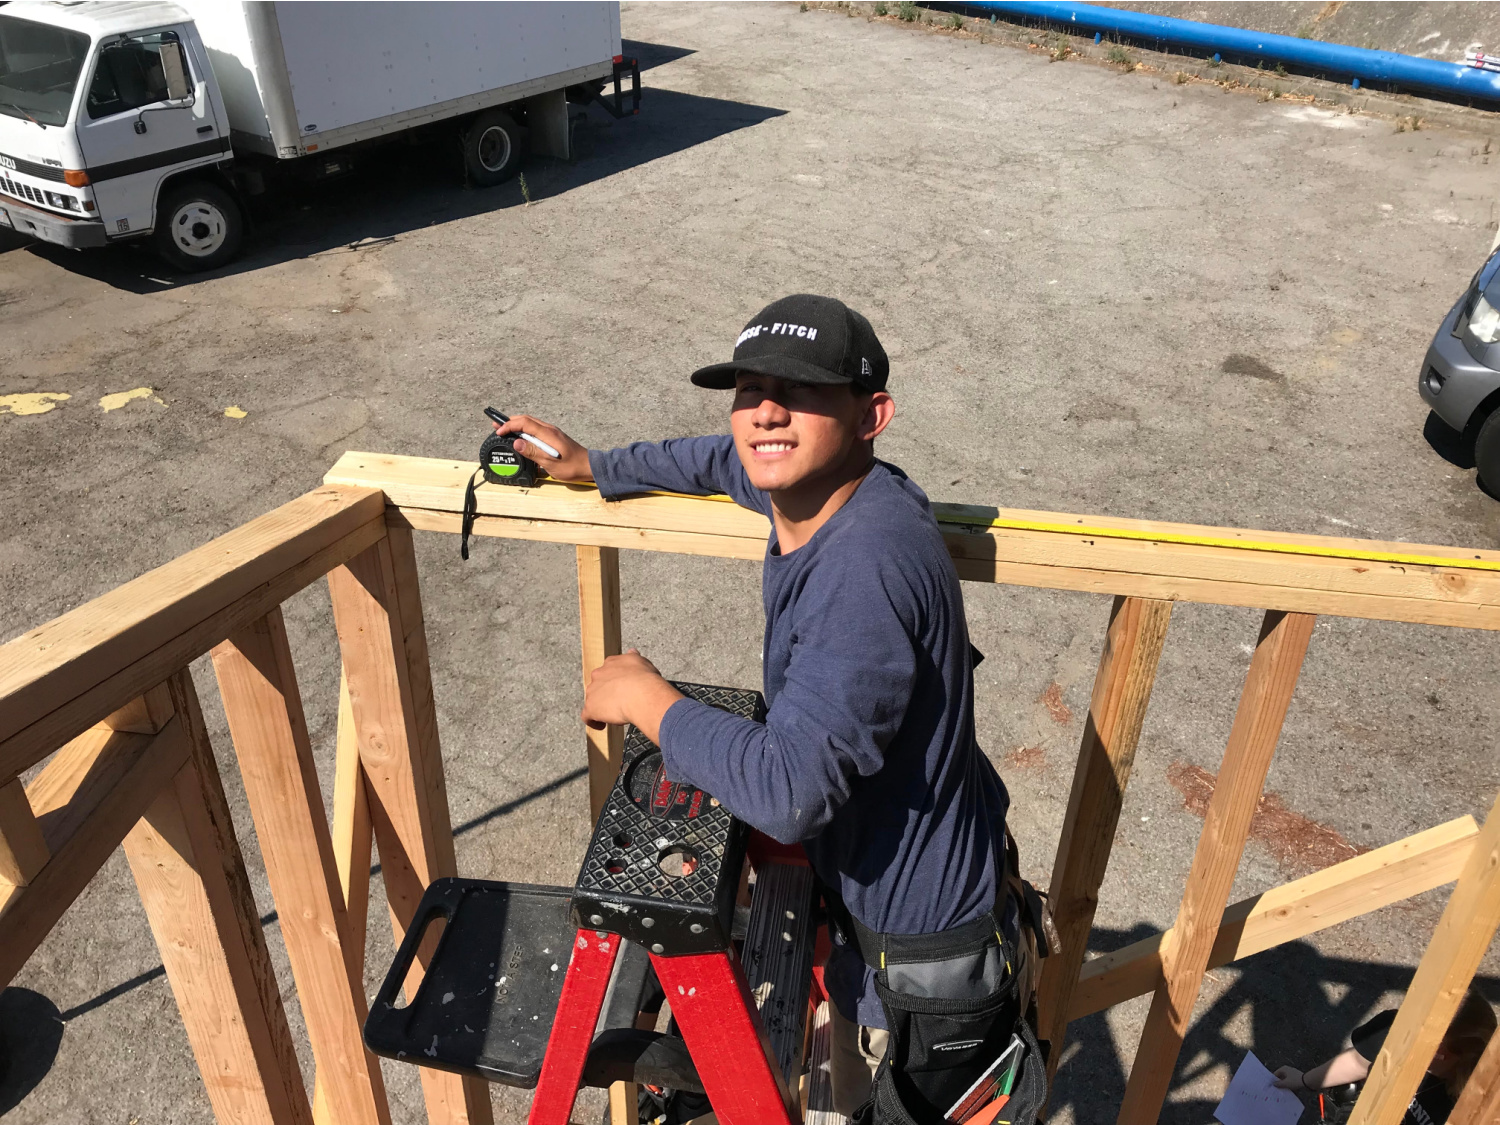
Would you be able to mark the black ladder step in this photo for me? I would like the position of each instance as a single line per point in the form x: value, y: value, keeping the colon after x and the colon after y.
x: 778, y: 957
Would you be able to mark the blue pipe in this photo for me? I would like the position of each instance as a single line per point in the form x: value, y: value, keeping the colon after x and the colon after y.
x: 1353, y: 62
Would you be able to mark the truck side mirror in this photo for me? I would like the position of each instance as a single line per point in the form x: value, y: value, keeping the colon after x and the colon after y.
x: 174, y: 70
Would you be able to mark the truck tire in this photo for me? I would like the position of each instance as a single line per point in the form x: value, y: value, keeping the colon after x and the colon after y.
x: 1487, y: 453
x: 198, y: 227
x: 494, y: 146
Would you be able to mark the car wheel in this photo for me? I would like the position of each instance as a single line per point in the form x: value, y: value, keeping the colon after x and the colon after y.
x: 494, y: 146
x: 198, y: 227
x: 1487, y: 453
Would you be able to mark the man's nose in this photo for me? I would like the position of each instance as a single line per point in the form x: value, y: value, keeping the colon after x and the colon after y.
x: 771, y: 412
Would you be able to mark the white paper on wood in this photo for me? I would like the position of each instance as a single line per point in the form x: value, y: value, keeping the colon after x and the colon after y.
x: 1253, y: 1099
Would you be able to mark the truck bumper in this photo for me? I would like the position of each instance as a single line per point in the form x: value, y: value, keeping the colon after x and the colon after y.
x: 1452, y: 382
x: 44, y: 225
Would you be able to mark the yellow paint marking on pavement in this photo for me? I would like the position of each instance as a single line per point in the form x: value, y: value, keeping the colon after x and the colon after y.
x: 233, y: 412
x: 119, y: 399
x: 38, y: 402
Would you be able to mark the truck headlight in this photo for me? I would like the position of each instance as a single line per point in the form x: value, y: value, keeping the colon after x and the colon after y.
x: 66, y: 202
x: 1484, y: 322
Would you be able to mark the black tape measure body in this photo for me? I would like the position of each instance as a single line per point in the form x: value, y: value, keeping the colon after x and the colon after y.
x: 503, y: 465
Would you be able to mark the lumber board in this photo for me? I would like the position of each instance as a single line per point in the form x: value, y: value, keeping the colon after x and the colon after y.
x: 68, y: 674
x: 583, y: 534
x: 192, y: 881
x: 1269, y: 685
x: 1458, y: 945
x: 377, y: 609
x: 264, y: 710
x: 599, y: 627
x: 23, y: 850
x: 1346, y: 890
x: 145, y: 714
x: 1122, y: 690
x: 1479, y: 1104
x: 86, y: 799
x: 439, y: 484
x: 1288, y: 599
x: 352, y: 840
x: 425, y: 490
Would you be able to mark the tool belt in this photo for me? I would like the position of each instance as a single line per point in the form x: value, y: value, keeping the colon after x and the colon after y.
x: 954, y: 1002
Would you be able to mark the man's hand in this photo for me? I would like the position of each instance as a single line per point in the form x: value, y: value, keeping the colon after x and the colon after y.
x: 1289, y: 1078
x: 573, y: 463
x: 628, y: 689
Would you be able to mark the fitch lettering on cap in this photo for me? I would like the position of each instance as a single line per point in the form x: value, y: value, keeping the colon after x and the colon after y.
x: 777, y: 329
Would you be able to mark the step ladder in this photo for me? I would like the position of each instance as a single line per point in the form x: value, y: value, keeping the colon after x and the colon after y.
x: 541, y: 987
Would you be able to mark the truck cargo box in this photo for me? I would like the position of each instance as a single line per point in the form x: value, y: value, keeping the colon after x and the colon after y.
x: 311, y: 76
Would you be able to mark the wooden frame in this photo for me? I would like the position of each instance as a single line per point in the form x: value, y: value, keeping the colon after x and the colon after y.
x: 104, y: 691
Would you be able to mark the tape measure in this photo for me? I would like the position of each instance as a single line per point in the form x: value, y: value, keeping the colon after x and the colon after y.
x: 503, y: 465
x: 499, y: 459
x: 499, y: 463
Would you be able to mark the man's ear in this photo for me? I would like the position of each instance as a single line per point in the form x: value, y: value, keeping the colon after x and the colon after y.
x: 879, y: 411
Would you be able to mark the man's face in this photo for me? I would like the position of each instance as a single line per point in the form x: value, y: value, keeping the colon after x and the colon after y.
x: 788, y: 434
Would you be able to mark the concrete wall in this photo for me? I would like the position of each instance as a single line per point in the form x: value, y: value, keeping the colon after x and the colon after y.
x: 1443, y: 29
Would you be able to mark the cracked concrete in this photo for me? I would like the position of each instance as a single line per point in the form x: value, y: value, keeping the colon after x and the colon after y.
x: 1081, y: 277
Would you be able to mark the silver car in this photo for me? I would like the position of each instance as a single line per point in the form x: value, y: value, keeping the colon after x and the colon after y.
x: 1460, y: 377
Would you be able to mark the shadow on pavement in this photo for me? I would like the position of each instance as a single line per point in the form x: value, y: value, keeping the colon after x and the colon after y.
x: 151, y: 974
x: 1300, y: 1006
x: 30, y: 1032
x: 407, y: 187
x: 1453, y: 447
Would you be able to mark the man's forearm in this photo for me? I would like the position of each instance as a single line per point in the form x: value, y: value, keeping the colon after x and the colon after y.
x: 650, y: 705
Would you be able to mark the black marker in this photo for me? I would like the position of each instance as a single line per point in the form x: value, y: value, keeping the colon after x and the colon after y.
x: 495, y: 415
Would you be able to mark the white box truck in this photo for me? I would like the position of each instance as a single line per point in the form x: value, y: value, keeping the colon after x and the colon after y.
x: 124, y: 120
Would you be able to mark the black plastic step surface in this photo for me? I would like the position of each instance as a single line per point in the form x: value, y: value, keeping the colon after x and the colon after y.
x: 778, y: 957
x: 487, y: 1003
x: 664, y: 864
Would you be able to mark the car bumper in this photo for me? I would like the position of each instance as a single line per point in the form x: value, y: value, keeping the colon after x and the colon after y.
x: 44, y: 225
x: 1452, y: 382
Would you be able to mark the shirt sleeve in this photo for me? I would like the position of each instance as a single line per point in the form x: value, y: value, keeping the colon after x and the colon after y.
x: 699, y: 466
x: 1369, y: 1037
x: 846, y: 692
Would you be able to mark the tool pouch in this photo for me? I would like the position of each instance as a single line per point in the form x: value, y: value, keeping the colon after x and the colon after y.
x: 952, y: 1002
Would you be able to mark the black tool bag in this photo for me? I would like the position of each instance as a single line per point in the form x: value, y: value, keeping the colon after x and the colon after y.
x: 953, y: 1001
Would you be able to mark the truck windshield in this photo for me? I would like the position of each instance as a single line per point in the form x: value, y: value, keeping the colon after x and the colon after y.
x: 39, y: 68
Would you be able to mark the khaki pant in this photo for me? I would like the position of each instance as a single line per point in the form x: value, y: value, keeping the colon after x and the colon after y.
x: 854, y: 1055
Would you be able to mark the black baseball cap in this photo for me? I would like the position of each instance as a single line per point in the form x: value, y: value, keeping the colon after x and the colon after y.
x: 805, y: 339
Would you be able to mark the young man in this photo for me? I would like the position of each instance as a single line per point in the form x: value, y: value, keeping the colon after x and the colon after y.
x: 868, y: 755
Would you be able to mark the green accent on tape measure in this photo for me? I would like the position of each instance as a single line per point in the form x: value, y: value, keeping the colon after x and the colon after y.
x: 505, y: 470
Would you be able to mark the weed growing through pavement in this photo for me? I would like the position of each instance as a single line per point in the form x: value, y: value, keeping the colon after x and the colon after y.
x: 956, y: 22
x: 1216, y: 63
x: 1062, y: 50
x: 906, y: 11
x: 1120, y: 58
x: 882, y: 8
x: 1181, y: 78
x: 1280, y: 70
x: 525, y: 191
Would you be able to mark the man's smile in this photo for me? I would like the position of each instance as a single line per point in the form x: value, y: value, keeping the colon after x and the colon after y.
x: 766, y: 447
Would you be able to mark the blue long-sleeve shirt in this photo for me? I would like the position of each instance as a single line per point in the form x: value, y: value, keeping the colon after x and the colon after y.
x: 867, y: 756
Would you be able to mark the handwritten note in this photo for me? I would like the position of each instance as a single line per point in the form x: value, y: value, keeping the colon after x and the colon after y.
x: 1252, y: 1099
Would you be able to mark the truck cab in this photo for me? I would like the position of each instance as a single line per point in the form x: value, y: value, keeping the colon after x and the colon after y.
x: 112, y: 127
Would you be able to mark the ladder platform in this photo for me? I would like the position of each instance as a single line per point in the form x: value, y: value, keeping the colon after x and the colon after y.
x: 487, y: 1003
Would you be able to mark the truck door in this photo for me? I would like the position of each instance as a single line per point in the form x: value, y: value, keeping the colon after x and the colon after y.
x: 136, y: 126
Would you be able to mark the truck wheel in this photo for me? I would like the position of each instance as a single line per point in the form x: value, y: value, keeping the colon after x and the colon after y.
x: 494, y: 146
x: 1487, y: 453
x: 198, y: 227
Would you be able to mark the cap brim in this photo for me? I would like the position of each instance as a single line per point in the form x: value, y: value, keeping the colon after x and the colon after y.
x: 720, y: 376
